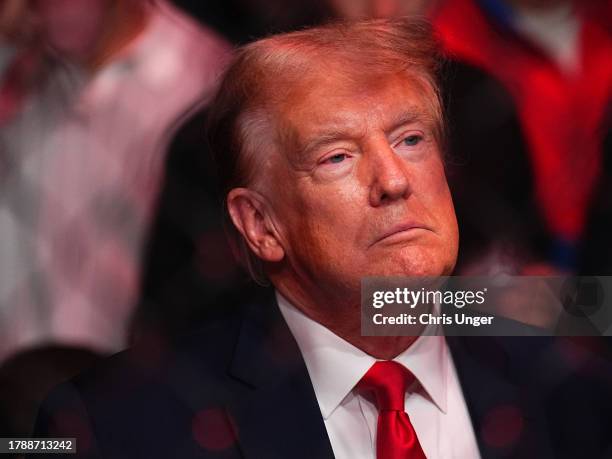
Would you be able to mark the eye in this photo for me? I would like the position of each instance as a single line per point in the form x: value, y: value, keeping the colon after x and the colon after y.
x: 336, y: 164
x: 412, y: 140
x: 337, y: 158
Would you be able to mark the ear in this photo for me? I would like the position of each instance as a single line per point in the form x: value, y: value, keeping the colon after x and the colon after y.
x: 250, y: 216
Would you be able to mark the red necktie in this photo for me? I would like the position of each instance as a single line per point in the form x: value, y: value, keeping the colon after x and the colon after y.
x: 395, y: 436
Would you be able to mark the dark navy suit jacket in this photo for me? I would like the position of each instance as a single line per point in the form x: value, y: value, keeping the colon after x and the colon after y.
x: 239, y: 388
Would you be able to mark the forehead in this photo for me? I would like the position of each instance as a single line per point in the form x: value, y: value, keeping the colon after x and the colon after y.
x: 336, y: 102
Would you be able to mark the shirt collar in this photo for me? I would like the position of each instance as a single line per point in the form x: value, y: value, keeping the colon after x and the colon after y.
x: 335, y: 366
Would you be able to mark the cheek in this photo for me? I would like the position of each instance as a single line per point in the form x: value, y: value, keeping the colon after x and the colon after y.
x: 434, y: 191
x: 437, y: 199
x: 330, y: 221
x: 322, y: 222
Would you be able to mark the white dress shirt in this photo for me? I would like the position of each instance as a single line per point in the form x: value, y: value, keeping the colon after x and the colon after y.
x: 434, y: 402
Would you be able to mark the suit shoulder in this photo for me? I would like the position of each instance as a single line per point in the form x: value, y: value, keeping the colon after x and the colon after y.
x: 155, y: 359
x: 143, y: 402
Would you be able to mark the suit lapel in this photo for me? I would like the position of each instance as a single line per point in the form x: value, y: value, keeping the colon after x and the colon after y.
x: 275, y: 410
x: 494, y: 376
x: 276, y: 414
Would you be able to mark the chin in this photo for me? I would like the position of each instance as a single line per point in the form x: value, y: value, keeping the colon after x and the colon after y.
x: 414, y: 262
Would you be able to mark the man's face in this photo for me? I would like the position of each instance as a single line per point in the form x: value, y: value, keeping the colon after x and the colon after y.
x: 359, y: 187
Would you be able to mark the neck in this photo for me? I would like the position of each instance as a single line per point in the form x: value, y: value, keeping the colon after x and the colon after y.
x: 341, y: 314
x: 381, y: 347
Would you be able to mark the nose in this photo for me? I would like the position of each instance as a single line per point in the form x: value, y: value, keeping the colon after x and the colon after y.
x: 389, y: 176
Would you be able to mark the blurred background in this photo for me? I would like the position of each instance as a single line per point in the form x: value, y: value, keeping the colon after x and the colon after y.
x: 111, y: 229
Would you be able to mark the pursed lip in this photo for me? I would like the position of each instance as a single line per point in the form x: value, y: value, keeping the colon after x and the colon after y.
x: 400, y: 228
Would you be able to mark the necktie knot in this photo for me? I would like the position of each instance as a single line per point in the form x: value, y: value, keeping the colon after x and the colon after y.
x: 388, y: 381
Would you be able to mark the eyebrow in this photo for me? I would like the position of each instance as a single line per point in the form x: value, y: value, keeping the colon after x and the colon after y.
x: 323, y: 139
x: 409, y: 116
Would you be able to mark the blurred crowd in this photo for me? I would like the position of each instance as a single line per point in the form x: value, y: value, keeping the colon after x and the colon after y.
x: 110, y: 223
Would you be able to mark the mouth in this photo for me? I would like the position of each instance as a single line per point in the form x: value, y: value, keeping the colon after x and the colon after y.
x: 402, y: 232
